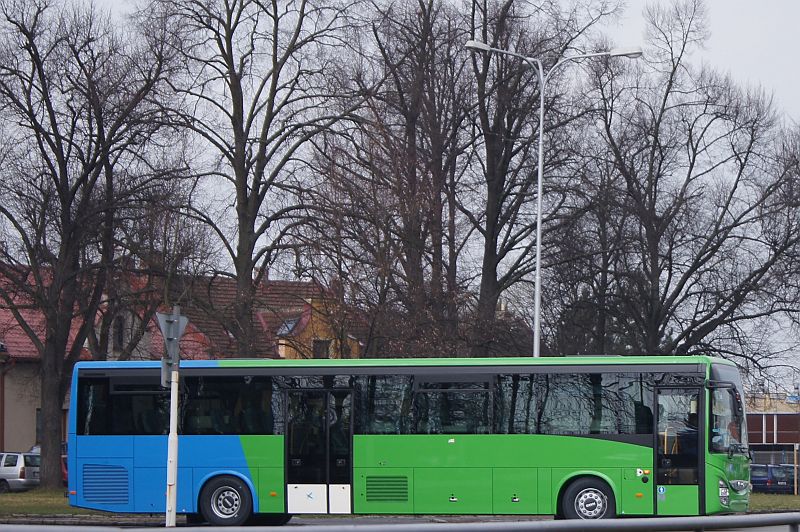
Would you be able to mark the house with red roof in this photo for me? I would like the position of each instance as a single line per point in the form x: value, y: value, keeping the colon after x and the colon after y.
x: 292, y: 319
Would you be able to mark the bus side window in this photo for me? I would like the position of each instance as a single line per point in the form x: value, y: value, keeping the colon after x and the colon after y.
x: 644, y: 418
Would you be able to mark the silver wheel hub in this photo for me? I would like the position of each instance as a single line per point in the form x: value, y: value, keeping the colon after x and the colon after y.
x: 591, y: 503
x: 225, y: 502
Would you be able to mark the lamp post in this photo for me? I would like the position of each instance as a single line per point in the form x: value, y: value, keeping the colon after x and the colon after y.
x: 536, y: 64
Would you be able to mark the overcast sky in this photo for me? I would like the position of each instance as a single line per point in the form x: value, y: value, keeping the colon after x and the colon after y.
x: 756, y: 41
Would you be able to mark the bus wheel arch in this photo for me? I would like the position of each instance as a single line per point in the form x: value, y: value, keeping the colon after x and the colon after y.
x: 586, y: 497
x: 225, y: 500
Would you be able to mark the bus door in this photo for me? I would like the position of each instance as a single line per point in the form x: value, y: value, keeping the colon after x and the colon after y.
x: 318, y: 452
x: 679, y: 451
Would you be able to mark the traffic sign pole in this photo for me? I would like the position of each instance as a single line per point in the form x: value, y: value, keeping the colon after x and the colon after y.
x: 172, y: 327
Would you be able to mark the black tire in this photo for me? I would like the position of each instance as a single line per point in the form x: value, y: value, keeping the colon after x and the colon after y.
x: 226, y: 501
x: 4, y: 487
x: 269, y: 519
x: 588, y: 498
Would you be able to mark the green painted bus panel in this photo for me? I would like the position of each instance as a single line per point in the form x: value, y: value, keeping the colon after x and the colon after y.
x: 737, y: 502
x: 265, y: 459
x: 547, y: 502
x: 385, y: 490
x: 271, y: 489
x: 677, y: 500
x: 636, y: 491
x: 453, y: 490
x: 496, y: 450
x: 263, y: 451
x: 514, y: 491
x: 520, y: 462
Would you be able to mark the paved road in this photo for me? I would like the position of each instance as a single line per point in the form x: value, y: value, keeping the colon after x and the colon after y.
x: 69, y: 522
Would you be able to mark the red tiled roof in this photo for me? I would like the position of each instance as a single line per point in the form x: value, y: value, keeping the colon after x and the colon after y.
x: 18, y: 344
x: 210, y: 307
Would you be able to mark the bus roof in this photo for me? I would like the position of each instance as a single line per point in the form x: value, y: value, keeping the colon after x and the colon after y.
x: 415, y: 362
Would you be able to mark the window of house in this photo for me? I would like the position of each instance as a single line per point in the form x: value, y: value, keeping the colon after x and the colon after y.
x: 322, y: 348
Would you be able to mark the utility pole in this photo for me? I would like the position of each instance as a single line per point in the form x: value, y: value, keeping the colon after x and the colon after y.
x: 172, y: 327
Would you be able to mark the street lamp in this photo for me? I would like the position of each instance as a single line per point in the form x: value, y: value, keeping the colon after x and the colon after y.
x: 536, y: 64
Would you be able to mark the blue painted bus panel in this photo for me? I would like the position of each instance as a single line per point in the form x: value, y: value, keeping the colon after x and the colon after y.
x: 104, y: 446
x: 104, y: 484
x: 211, y: 451
x: 151, y: 490
x: 193, y: 451
x: 134, y: 468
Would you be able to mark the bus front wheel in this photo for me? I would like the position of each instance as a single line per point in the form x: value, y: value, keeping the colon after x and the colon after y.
x: 226, y: 501
x: 588, y: 498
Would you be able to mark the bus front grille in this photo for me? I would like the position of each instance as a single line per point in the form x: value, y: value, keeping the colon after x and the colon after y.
x: 387, y: 489
x: 105, y: 484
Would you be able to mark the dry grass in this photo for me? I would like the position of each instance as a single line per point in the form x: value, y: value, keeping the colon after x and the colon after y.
x: 764, y: 502
x: 38, y: 502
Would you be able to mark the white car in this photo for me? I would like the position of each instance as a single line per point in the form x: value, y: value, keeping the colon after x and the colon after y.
x: 19, y: 471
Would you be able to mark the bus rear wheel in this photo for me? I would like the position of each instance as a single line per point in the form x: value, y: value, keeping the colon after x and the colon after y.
x: 588, y: 498
x: 226, y: 501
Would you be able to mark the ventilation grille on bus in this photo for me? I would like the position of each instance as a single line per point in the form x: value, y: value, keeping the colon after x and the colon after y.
x: 105, y: 484
x: 387, y: 489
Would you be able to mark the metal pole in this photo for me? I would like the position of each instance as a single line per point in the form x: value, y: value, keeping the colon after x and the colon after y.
x: 172, y: 451
x: 537, y: 64
x: 172, y: 439
x: 537, y: 297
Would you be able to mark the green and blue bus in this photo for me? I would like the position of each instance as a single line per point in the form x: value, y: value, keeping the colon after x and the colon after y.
x: 583, y: 437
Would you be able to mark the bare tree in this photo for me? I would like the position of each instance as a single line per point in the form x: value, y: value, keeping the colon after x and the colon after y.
x: 254, y: 91
x: 587, y: 248
x: 75, y: 96
x: 387, y: 207
x: 711, y: 196
x: 507, y: 123
x: 157, y: 246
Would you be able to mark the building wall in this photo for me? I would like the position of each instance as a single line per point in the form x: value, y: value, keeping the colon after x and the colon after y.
x: 21, y: 386
x: 301, y: 345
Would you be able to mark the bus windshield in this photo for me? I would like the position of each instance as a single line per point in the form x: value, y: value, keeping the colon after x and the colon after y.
x: 728, y: 430
x: 728, y: 433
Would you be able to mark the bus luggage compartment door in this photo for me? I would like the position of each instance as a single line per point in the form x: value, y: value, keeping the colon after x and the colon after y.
x: 319, y: 452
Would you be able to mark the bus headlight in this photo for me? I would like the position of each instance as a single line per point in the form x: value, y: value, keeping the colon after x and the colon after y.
x: 740, y: 485
x: 724, y: 494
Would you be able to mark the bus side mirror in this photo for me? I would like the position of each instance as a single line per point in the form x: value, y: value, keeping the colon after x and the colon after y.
x: 720, y: 385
